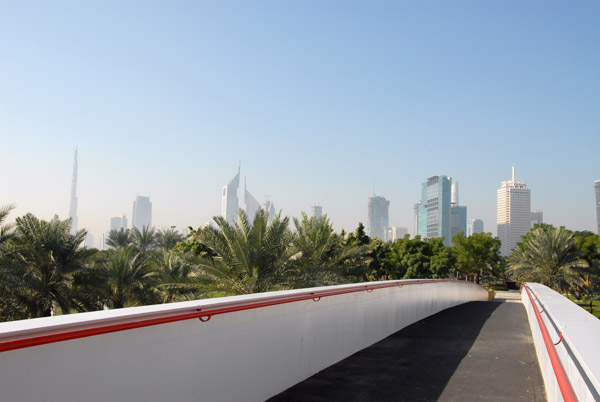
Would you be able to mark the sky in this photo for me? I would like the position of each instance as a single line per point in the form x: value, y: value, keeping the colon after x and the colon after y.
x: 324, y: 102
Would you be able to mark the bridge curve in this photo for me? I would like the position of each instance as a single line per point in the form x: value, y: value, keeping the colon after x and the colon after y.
x: 242, y: 348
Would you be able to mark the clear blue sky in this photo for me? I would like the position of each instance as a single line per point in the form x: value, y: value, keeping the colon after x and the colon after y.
x: 323, y: 101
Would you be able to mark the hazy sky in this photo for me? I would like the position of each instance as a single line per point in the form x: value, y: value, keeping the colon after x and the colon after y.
x: 323, y: 101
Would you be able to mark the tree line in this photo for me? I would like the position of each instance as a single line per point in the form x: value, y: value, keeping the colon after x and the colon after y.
x: 44, y: 269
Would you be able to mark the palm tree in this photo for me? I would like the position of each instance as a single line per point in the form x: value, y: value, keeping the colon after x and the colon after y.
x: 119, y: 238
x: 168, y: 238
x: 130, y: 280
x: 247, y: 257
x: 9, y: 308
x: 144, y: 240
x: 41, y: 264
x: 321, y: 254
x: 6, y: 230
x: 547, y: 255
x: 179, y: 279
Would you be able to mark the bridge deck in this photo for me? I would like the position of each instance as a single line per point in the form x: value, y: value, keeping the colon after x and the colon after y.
x: 473, y: 352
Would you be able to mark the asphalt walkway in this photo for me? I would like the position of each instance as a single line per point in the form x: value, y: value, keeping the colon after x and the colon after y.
x: 478, y: 351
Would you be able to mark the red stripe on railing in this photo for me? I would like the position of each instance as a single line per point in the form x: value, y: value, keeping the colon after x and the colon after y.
x: 204, y: 315
x: 561, y: 376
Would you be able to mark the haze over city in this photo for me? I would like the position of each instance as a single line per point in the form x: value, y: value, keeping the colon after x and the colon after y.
x: 323, y: 102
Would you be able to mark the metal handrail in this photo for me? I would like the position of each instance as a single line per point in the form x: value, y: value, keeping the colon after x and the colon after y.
x: 202, y: 314
x: 566, y: 389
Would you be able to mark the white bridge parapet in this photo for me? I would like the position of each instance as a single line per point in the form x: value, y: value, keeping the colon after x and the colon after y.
x: 576, y: 334
x: 248, y: 349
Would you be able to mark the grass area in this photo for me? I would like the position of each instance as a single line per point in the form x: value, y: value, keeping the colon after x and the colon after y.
x: 586, y: 306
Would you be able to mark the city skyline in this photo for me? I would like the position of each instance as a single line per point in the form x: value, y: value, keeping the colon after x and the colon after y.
x: 164, y: 105
x: 251, y: 205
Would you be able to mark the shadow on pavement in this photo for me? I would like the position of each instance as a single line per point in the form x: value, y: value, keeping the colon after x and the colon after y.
x: 414, y: 364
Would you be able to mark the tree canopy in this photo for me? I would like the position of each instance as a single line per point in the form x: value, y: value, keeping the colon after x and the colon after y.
x: 476, y: 255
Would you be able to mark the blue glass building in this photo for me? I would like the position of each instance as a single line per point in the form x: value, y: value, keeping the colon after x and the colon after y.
x: 434, y: 215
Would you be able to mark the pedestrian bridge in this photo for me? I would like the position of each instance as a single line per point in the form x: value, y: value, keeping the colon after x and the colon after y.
x: 376, y: 341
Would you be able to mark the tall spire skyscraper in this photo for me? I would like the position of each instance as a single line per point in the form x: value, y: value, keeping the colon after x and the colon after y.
x: 73, y: 206
x: 252, y: 205
x: 229, y: 199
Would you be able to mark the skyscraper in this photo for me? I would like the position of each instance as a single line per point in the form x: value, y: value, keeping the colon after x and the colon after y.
x: 597, y: 187
x: 458, y: 220
x: 229, y: 200
x: 142, y: 212
x: 396, y: 232
x: 252, y: 205
x: 458, y: 214
x: 316, y: 211
x: 416, y: 211
x: 378, y: 217
x: 537, y: 217
x: 434, y: 213
x: 269, y: 208
x: 89, y: 240
x: 474, y: 226
x: 119, y: 222
x: 514, y: 213
x: 73, y: 206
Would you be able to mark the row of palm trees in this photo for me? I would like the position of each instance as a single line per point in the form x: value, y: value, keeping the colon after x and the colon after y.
x: 44, y: 270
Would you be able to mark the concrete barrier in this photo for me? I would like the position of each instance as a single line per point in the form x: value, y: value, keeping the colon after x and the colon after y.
x: 578, y: 347
x: 247, y: 355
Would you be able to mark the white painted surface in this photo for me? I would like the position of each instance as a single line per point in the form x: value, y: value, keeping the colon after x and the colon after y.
x: 581, y: 334
x: 245, y: 356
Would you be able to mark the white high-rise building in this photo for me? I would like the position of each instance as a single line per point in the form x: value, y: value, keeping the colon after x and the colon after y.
x: 142, y: 212
x: 73, y: 206
x: 229, y: 199
x: 514, y: 213
x: 316, y: 211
